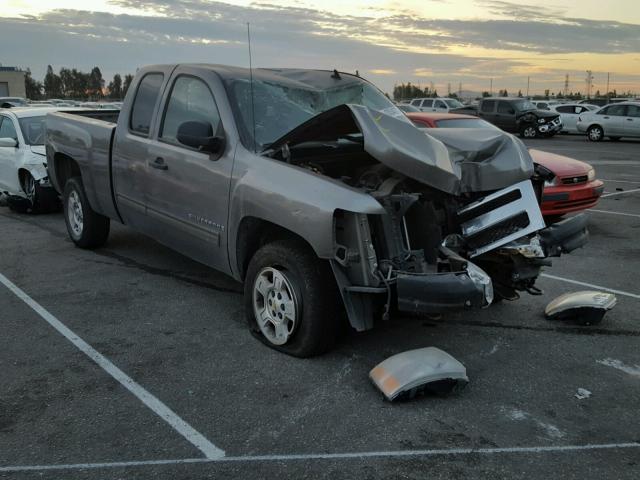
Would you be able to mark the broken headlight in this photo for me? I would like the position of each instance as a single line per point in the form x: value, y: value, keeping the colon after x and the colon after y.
x: 480, y: 277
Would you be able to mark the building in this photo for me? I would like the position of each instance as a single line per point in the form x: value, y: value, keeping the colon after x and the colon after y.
x: 12, y: 82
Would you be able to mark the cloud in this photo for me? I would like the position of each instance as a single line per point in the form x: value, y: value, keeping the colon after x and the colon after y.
x: 390, y: 45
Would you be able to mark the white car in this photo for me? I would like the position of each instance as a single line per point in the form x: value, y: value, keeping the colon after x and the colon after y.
x: 614, y: 121
x: 569, y: 114
x: 442, y: 105
x: 23, y: 162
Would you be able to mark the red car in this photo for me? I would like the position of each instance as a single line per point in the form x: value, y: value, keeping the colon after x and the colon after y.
x: 573, y: 189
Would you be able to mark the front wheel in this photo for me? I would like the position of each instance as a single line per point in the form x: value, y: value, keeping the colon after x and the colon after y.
x: 87, y: 228
x: 595, y: 133
x: 39, y: 199
x: 291, y: 300
x: 529, y: 131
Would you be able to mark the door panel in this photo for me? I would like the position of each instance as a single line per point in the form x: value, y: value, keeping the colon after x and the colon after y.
x: 612, y: 119
x: 631, y: 123
x: 8, y: 157
x: 188, y: 190
x: 131, y: 147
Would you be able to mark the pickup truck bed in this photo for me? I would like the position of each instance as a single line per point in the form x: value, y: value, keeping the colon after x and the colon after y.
x: 88, y: 138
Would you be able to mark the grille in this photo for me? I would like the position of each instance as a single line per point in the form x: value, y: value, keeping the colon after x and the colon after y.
x: 500, y: 217
x: 575, y: 180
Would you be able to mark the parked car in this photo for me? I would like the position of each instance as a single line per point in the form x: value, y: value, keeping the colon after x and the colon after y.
x: 436, y: 104
x: 569, y: 114
x: 601, y: 102
x: 518, y: 115
x: 23, y: 164
x: 12, y: 102
x: 545, y: 104
x: 572, y: 188
x: 614, y: 121
x: 270, y: 177
x: 407, y: 108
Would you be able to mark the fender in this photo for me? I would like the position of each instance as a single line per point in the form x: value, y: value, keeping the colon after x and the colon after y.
x: 292, y: 197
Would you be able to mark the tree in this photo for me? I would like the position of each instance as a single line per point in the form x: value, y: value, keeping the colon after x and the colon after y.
x: 504, y: 93
x: 115, y: 87
x: 519, y: 93
x: 128, y: 78
x: 95, y: 83
x: 52, y: 84
x: 32, y: 87
x: 485, y: 94
x: 546, y: 94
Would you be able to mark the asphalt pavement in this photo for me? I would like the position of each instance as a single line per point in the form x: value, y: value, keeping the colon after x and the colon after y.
x: 193, y: 382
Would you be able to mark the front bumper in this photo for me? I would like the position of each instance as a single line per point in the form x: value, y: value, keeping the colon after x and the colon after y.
x: 550, y: 128
x: 434, y: 293
x: 571, y: 198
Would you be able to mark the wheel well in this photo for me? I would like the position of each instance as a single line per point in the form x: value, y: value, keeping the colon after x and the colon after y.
x: 65, y: 168
x: 253, y: 233
x: 21, y: 175
x: 595, y: 125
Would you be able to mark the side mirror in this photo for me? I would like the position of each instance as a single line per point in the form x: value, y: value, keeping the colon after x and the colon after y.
x: 197, y: 134
x: 8, y: 142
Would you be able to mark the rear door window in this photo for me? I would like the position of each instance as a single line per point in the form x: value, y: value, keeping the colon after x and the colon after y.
x: 615, y: 110
x: 505, y: 107
x: 633, y: 111
x: 145, y: 102
x: 488, y: 106
x: 427, y: 103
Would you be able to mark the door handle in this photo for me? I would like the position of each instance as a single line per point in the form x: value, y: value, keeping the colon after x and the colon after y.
x: 606, y: 118
x: 629, y: 119
x: 159, y: 164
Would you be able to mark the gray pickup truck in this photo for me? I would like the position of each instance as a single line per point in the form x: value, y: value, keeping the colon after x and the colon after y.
x: 313, y: 189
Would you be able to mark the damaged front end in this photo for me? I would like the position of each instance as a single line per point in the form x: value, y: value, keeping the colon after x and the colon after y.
x: 462, y: 223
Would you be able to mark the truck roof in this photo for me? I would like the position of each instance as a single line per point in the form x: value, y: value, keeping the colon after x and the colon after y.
x: 320, y: 79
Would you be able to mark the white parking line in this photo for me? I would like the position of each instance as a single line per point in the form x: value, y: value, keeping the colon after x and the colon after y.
x: 621, y: 193
x: 614, y: 213
x: 329, y: 456
x: 183, y: 428
x: 591, y: 285
x: 619, y: 181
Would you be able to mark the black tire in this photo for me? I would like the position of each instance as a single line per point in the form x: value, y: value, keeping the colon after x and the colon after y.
x: 317, y: 298
x: 39, y: 199
x: 94, y: 228
x: 595, y: 133
x: 528, y: 131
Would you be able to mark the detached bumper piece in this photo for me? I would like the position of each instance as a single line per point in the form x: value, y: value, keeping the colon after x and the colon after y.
x: 407, y: 374
x: 586, y: 308
x: 438, y: 292
x: 564, y: 236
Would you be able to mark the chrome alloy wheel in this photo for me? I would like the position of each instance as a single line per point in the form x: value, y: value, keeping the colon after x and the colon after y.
x: 529, y: 132
x: 275, y: 306
x: 74, y: 213
x: 595, y: 134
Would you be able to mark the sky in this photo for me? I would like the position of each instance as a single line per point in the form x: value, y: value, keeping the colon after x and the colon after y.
x: 472, y: 44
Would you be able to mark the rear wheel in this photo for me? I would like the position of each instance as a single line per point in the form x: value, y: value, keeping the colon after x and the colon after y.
x: 86, y: 228
x: 291, y: 300
x: 595, y: 133
x: 529, y: 131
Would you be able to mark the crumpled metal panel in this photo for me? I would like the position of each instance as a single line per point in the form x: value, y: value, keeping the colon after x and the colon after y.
x: 451, y: 160
x: 410, y: 370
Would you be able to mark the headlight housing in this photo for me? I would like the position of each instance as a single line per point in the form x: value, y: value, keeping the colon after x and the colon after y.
x: 591, y: 175
x: 541, y: 120
x: 480, y: 277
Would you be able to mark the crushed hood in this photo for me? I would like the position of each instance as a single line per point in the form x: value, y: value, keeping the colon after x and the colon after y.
x: 450, y: 160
